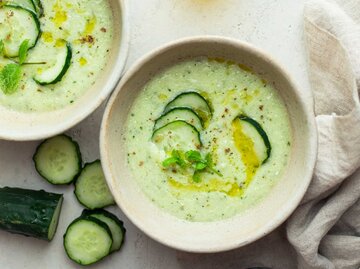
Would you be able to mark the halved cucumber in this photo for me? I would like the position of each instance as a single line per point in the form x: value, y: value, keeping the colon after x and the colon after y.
x: 261, y: 141
x: 194, y: 101
x: 179, y: 113
x: 30, y: 212
x: 87, y: 240
x: 91, y: 189
x: 58, y: 159
x: 55, y: 73
x: 115, y: 225
x: 28, y: 4
x: 16, y: 25
x: 177, y: 135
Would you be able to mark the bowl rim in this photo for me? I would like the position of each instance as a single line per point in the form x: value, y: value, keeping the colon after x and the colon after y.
x: 309, y: 116
x: 109, y: 86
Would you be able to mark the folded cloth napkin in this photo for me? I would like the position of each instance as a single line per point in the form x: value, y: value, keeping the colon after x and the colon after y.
x: 324, y: 231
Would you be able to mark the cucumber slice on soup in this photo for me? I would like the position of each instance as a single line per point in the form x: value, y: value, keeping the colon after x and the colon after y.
x: 16, y: 25
x: 194, y: 101
x: 58, y: 69
x: 261, y: 141
x: 177, y: 135
x: 179, y: 113
x: 28, y: 4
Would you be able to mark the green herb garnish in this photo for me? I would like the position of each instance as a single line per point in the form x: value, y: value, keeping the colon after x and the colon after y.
x: 193, y: 159
x: 1, y: 48
x: 10, y: 77
x: 174, y: 159
x: 23, y: 51
x: 196, y: 177
x: 210, y: 165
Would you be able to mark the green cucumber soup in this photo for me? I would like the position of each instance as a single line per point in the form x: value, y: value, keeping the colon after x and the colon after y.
x: 86, y: 27
x: 207, y: 138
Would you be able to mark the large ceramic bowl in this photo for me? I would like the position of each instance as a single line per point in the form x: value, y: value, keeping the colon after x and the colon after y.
x: 31, y: 126
x: 241, y: 229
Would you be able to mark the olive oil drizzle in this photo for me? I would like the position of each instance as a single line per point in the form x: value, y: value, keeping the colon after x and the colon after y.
x: 213, y: 185
x: 245, y: 146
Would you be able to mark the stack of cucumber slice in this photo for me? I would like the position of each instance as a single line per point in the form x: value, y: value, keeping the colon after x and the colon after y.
x: 93, y: 236
x: 184, y: 118
x: 182, y: 121
x: 19, y: 21
x: 97, y: 232
x: 58, y: 160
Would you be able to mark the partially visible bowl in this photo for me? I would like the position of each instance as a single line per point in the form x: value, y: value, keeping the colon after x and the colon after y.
x: 243, y: 228
x: 22, y: 126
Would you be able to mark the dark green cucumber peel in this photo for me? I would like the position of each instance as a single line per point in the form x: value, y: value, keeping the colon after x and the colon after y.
x: 178, y: 122
x: 38, y: 7
x: 16, y: 3
x: 261, y: 132
x: 65, y: 68
x: 87, y: 243
x: 30, y: 212
x: 172, y: 105
x: 175, y: 110
x: 86, y: 198
x: 102, y: 212
x: 77, y: 152
x: 35, y: 18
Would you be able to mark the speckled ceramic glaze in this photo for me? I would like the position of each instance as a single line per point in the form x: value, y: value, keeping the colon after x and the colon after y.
x: 243, y: 228
x: 23, y: 124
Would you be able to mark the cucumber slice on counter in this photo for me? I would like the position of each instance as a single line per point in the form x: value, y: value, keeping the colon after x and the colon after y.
x: 194, y: 101
x: 58, y: 160
x: 28, y: 4
x: 29, y: 212
x: 179, y: 113
x: 91, y: 189
x: 177, y: 135
x: 254, y: 130
x: 16, y: 25
x: 56, y: 72
x: 87, y: 240
x: 115, y: 225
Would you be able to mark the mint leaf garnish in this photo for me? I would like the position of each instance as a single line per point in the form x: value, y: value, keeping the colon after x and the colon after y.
x: 193, y: 156
x: 1, y: 48
x: 23, y: 51
x: 10, y: 77
x: 174, y: 159
x: 196, y: 177
x: 210, y: 165
x: 200, y: 166
x: 192, y: 159
x: 169, y: 161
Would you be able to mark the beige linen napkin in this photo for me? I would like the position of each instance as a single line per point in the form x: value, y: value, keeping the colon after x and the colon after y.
x: 324, y: 231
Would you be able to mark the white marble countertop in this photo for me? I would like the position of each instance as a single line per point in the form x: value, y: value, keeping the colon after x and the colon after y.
x: 272, y: 25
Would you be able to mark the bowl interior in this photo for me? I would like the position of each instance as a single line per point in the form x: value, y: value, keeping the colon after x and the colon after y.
x: 243, y: 228
x: 30, y: 126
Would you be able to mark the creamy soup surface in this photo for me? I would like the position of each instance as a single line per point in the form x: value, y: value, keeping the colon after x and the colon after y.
x: 242, y: 179
x: 88, y: 27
